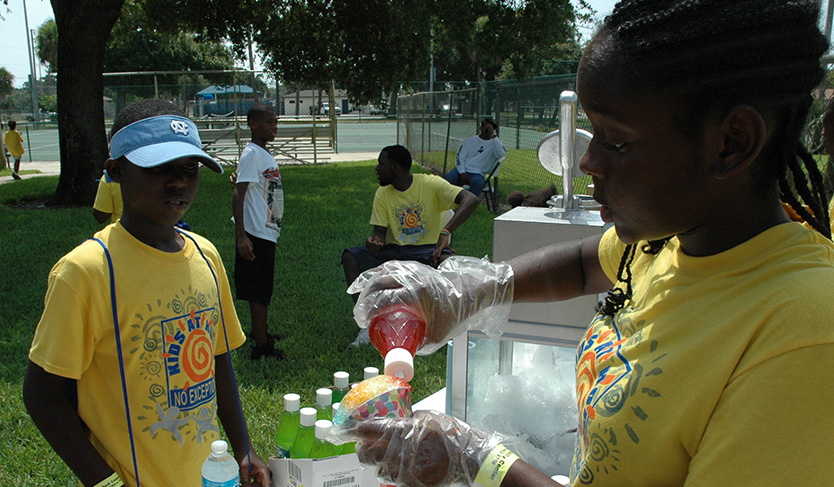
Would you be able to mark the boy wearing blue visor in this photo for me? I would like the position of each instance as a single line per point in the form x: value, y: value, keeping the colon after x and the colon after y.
x: 130, y: 365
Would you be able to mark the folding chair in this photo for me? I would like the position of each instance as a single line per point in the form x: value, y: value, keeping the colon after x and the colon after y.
x: 491, y: 186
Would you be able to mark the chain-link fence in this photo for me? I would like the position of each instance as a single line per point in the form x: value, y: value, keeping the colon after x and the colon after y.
x: 309, y: 129
x: 433, y: 126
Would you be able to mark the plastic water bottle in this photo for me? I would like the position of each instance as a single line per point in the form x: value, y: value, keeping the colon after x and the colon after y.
x: 397, y: 332
x: 340, y: 385
x: 324, y: 401
x: 306, y: 434
x: 321, y: 447
x: 371, y: 372
x: 220, y: 469
x: 288, y: 428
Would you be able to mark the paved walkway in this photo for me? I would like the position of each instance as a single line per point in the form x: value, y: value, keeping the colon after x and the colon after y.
x: 53, y: 168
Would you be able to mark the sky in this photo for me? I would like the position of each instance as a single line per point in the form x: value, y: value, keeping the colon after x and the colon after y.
x: 14, y: 54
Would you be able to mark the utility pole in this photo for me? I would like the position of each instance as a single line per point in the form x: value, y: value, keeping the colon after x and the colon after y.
x: 32, y: 77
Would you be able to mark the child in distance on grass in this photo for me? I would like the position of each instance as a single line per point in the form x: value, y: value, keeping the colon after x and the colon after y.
x: 258, y: 208
x: 167, y: 294
x: 14, y: 143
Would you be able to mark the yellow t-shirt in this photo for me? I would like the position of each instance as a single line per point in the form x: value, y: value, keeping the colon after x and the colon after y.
x: 171, y: 330
x: 109, y: 199
x: 14, y: 141
x: 719, y: 371
x: 413, y: 216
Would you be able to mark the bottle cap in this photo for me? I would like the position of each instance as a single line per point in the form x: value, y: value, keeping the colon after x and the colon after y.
x: 336, y: 406
x: 308, y: 416
x: 322, y: 427
x: 371, y: 372
x: 399, y: 363
x: 292, y: 402
x: 324, y: 397
x: 219, y: 447
x: 341, y: 379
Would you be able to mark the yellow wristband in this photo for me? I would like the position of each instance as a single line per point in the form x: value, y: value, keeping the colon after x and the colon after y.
x: 111, y: 481
x: 495, y: 466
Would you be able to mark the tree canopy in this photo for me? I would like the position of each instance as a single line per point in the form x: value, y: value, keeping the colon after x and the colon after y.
x: 369, y: 46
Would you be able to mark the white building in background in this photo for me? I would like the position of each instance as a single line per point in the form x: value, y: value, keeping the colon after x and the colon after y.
x: 309, y: 102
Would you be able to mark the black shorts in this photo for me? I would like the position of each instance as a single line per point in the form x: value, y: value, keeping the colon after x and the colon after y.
x: 368, y: 260
x: 255, y: 279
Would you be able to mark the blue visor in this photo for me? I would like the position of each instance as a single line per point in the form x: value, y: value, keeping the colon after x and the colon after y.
x: 155, y: 141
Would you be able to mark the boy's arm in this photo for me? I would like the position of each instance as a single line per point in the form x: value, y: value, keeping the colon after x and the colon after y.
x: 253, y: 470
x: 244, y: 245
x: 101, y: 216
x: 47, y: 403
x: 377, y: 239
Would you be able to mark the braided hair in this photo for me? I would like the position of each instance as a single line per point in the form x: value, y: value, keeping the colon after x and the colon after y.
x: 716, y: 54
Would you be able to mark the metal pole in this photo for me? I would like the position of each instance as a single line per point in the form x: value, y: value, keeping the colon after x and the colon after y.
x: 448, y: 132
x: 567, y: 140
x: 423, y: 130
x: 32, y: 80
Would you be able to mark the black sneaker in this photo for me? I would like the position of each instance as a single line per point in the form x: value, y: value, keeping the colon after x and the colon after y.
x: 16, y: 176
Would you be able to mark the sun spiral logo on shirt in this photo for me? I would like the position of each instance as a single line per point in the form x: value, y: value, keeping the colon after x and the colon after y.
x: 412, y: 227
x: 189, y: 359
x: 197, y: 356
x: 411, y: 220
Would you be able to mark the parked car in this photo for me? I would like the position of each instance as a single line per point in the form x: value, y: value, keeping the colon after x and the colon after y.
x: 325, y: 108
x: 376, y: 110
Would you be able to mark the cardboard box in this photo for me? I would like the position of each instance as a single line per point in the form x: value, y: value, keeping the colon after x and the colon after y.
x: 341, y: 471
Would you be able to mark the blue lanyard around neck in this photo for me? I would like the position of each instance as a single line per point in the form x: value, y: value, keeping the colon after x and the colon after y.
x: 121, y: 357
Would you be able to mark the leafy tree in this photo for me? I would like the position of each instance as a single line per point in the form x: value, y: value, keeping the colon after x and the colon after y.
x: 136, y: 46
x: 46, y: 44
x: 48, y: 103
x: 6, y: 87
x: 367, y: 46
x: 480, y: 39
x: 91, y: 50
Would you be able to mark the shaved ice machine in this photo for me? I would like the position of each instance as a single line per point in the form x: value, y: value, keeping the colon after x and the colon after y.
x: 523, y: 383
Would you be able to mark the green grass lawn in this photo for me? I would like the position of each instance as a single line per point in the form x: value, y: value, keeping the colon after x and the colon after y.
x: 327, y: 209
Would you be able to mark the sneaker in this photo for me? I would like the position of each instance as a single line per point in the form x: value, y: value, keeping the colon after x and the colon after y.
x: 16, y: 176
x: 267, y: 350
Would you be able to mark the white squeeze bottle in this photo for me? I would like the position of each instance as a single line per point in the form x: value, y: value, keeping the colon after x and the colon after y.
x: 220, y: 469
x: 371, y: 372
x: 341, y: 386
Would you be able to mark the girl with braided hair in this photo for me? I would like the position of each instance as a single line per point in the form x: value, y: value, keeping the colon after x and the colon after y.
x: 712, y: 360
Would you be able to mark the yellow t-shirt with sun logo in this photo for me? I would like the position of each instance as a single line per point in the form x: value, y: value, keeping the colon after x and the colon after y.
x: 718, y: 372
x: 171, y: 329
x: 413, y: 216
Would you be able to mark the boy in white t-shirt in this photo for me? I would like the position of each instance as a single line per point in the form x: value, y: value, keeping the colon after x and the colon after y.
x: 258, y: 207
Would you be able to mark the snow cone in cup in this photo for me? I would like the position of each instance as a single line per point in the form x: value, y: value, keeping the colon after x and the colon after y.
x: 380, y: 396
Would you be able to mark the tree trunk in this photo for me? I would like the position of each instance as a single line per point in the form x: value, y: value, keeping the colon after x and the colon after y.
x: 83, y: 29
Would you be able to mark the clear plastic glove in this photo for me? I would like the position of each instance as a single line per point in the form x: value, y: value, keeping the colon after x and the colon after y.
x: 463, y: 293
x: 427, y: 450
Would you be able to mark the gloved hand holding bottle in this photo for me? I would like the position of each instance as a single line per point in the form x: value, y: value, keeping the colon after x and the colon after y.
x: 463, y: 293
